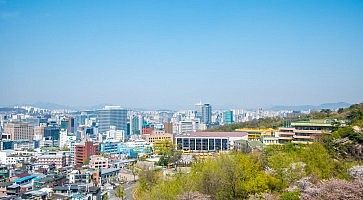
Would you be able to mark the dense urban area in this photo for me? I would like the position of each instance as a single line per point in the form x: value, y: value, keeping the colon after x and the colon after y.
x: 117, y: 153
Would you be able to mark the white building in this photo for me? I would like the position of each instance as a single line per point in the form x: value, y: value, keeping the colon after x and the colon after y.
x: 115, y: 134
x: 57, y: 158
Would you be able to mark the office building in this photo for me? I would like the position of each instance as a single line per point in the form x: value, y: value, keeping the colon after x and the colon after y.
x: 51, y: 134
x: 19, y: 131
x: 83, y: 151
x: 228, y: 117
x: 136, y: 124
x: 206, y: 114
x: 112, y: 116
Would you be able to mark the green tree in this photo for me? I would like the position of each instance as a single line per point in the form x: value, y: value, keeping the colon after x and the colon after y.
x: 105, y: 197
x: 120, y: 192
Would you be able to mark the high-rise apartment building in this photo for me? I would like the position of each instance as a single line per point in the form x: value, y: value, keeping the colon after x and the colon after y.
x: 112, y: 116
x: 136, y: 125
x: 19, y: 131
x: 206, y: 114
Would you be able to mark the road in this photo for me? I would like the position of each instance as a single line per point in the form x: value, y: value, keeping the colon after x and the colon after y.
x: 129, y: 189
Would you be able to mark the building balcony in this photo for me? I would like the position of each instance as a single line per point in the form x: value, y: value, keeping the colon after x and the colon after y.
x: 285, y: 138
x: 303, y: 136
x: 285, y: 133
x: 309, y: 131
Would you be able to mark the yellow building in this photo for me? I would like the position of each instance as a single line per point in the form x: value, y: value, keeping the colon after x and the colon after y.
x: 255, y: 134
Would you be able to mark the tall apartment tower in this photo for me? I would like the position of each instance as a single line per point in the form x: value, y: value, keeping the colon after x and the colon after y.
x: 19, y: 131
x: 206, y: 114
x: 136, y: 124
x: 199, y: 109
x: 112, y: 116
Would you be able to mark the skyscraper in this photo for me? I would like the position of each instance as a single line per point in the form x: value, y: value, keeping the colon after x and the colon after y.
x: 199, y: 108
x: 136, y: 124
x: 112, y: 116
x: 228, y: 117
x: 206, y: 114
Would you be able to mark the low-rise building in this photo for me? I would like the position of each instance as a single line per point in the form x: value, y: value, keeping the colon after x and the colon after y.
x: 98, y: 162
x: 256, y: 134
x: 304, y: 132
x: 208, y: 141
x: 156, y: 136
x: 57, y: 158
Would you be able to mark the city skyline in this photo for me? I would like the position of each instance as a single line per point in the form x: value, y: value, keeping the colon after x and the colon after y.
x: 169, y: 55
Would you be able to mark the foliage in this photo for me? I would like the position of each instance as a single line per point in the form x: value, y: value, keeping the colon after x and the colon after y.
x: 271, y: 173
x: 163, y: 147
x: 105, y: 197
x: 193, y: 196
x: 147, y: 178
x: 120, y: 192
x: 169, y: 155
x: 232, y: 176
x: 295, y: 195
x: 86, y: 162
x: 256, y: 123
x: 292, y: 162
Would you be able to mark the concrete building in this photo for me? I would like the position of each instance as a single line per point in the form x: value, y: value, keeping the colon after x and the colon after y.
x: 208, y: 141
x: 19, y: 131
x: 51, y: 133
x: 115, y: 134
x: 156, y: 136
x: 112, y: 116
x: 57, y: 158
x: 83, y: 151
x: 256, y: 134
x: 39, y: 132
x: 168, y: 127
x: 304, y: 131
x: 98, y: 162
x: 185, y: 127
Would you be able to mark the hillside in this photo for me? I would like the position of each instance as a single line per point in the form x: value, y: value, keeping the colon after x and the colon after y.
x: 329, y: 169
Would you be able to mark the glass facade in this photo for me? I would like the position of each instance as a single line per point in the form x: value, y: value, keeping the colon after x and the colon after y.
x: 202, y: 144
x: 112, y: 117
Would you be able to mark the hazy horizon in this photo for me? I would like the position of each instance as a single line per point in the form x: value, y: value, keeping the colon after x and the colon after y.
x: 172, y: 54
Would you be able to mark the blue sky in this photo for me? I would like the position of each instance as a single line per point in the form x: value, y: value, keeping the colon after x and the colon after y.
x: 171, y: 54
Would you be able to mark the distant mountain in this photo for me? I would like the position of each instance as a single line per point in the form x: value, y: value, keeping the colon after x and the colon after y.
x: 54, y: 106
x: 331, y: 106
x: 51, y: 106
x: 10, y: 110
